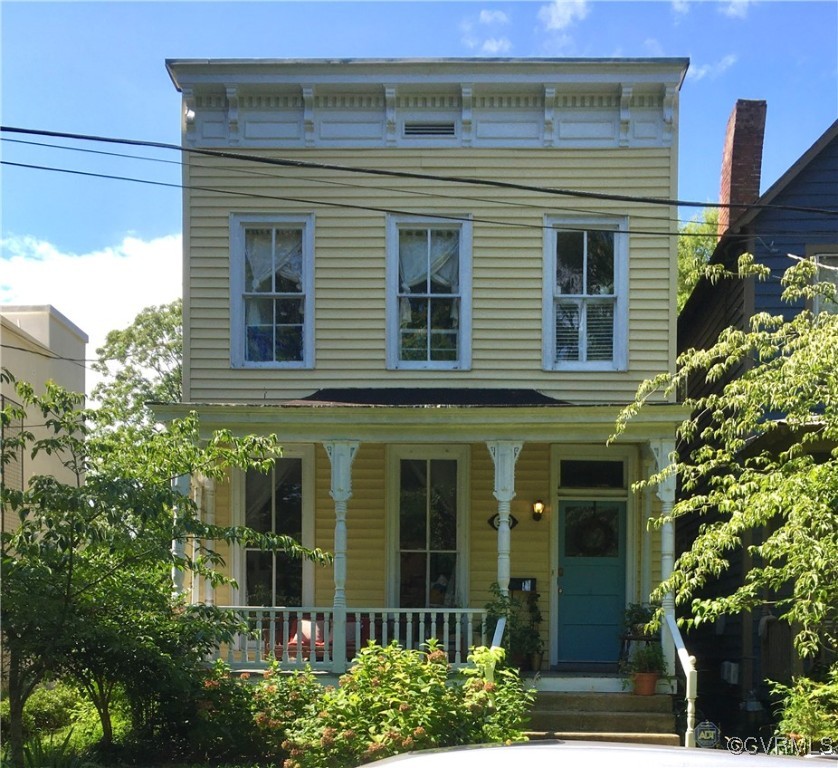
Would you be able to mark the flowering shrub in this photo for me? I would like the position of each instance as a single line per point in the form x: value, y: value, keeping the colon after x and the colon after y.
x: 394, y: 700
x: 278, y: 702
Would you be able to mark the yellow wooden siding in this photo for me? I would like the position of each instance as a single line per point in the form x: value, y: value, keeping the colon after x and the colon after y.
x: 350, y: 261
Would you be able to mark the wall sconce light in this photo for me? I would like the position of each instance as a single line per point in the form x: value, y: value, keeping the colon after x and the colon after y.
x: 537, y: 510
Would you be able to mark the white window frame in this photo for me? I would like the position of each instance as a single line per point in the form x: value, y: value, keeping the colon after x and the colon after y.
x: 394, y: 225
x: 462, y: 455
x: 239, y: 224
x: 238, y: 515
x: 621, y: 253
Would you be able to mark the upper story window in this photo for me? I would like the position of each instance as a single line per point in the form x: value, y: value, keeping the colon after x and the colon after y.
x: 585, y: 301
x: 272, y: 291
x: 429, y: 293
x: 827, y: 260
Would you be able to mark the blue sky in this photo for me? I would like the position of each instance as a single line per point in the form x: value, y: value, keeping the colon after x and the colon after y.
x: 100, y: 250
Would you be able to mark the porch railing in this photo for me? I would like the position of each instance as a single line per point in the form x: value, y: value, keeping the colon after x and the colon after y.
x: 690, y: 674
x: 297, y: 637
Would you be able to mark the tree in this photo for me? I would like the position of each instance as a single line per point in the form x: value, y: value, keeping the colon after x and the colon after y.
x: 761, y: 456
x: 141, y: 363
x: 696, y: 242
x: 84, y: 571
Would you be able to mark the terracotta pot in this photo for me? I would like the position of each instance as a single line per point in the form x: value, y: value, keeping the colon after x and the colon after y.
x: 645, y: 683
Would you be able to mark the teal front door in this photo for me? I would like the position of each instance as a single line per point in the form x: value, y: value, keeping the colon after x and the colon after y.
x: 591, y: 580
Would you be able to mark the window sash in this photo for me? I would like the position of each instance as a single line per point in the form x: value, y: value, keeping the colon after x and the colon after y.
x: 427, y: 550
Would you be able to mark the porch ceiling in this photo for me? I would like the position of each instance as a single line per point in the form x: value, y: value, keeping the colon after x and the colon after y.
x: 461, y: 416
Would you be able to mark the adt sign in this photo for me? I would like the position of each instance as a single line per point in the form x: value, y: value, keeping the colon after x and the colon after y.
x: 707, y: 734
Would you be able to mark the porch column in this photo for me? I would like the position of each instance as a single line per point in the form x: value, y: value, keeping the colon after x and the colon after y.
x: 341, y: 454
x: 661, y: 449
x: 181, y: 484
x: 209, y: 509
x: 198, y: 498
x: 504, y: 455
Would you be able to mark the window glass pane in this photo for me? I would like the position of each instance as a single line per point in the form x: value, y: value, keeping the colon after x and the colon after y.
x: 258, y: 577
x: 444, y: 321
x: 413, y: 499
x: 600, y: 263
x: 288, y: 261
x: 289, y: 343
x: 828, y: 273
x: 570, y: 251
x: 445, y: 260
x: 414, y: 329
x: 592, y: 530
x: 600, y: 330
x: 258, y: 262
x: 274, y: 504
x: 443, y: 506
x: 413, y: 580
x: 443, y: 574
x: 413, y: 260
x: 258, y: 501
x: 567, y: 331
x: 592, y: 474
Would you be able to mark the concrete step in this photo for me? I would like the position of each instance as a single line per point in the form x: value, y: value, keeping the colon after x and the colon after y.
x: 603, y: 717
x: 602, y: 702
x: 602, y: 722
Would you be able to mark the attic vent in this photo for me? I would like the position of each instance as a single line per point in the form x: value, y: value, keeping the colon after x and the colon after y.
x: 417, y: 128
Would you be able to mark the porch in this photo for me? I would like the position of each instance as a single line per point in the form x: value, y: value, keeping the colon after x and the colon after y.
x: 318, y: 638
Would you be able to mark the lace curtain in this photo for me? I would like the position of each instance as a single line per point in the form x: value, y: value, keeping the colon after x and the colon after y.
x: 424, y: 254
x: 267, y: 253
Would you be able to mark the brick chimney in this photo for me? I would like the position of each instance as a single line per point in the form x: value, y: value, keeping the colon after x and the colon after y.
x: 741, y: 160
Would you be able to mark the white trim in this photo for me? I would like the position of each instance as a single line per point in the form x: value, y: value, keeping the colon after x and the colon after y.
x: 621, y: 291
x: 237, y: 517
x: 393, y: 455
x: 628, y: 455
x: 239, y: 222
x: 394, y: 224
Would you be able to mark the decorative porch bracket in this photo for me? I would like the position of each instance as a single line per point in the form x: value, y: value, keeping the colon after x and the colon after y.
x: 504, y: 455
x: 341, y: 455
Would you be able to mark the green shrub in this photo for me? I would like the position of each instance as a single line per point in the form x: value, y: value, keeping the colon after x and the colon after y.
x: 809, y: 708
x: 50, y: 708
x: 395, y: 700
x: 278, y: 702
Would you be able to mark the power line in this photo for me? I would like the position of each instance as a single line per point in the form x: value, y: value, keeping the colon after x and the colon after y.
x: 357, y: 206
x: 331, y: 181
x: 473, y: 181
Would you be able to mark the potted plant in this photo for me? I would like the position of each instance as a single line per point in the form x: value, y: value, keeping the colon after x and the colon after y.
x: 522, y: 639
x: 645, y: 667
x: 635, y: 619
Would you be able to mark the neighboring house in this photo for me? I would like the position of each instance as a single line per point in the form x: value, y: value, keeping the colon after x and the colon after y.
x: 737, y: 654
x: 435, y: 356
x: 38, y: 344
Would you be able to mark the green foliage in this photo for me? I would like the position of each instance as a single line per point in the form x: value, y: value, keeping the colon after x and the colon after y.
x: 51, y: 752
x: 647, y: 657
x: 809, y: 708
x: 140, y: 364
x: 67, y: 604
x: 395, y: 700
x: 521, y: 637
x: 761, y: 455
x: 696, y: 244
x: 279, y: 701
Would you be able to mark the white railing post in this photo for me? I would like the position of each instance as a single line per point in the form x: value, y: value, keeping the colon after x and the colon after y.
x: 690, y: 674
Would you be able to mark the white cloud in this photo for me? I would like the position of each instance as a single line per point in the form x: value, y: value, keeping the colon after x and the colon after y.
x: 560, y: 14
x: 493, y: 17
x: 98, y: 291
x: 495, y: 45
x: 680, y: 6
x: 653, y: 46
x: 472, y: 39
x: 712, y: 71
x: 735, y: 9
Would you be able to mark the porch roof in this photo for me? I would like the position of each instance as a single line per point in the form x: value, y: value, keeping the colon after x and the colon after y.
x: 453, y: 415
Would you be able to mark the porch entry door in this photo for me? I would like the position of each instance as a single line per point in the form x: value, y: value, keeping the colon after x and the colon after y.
x: 591, y: 580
